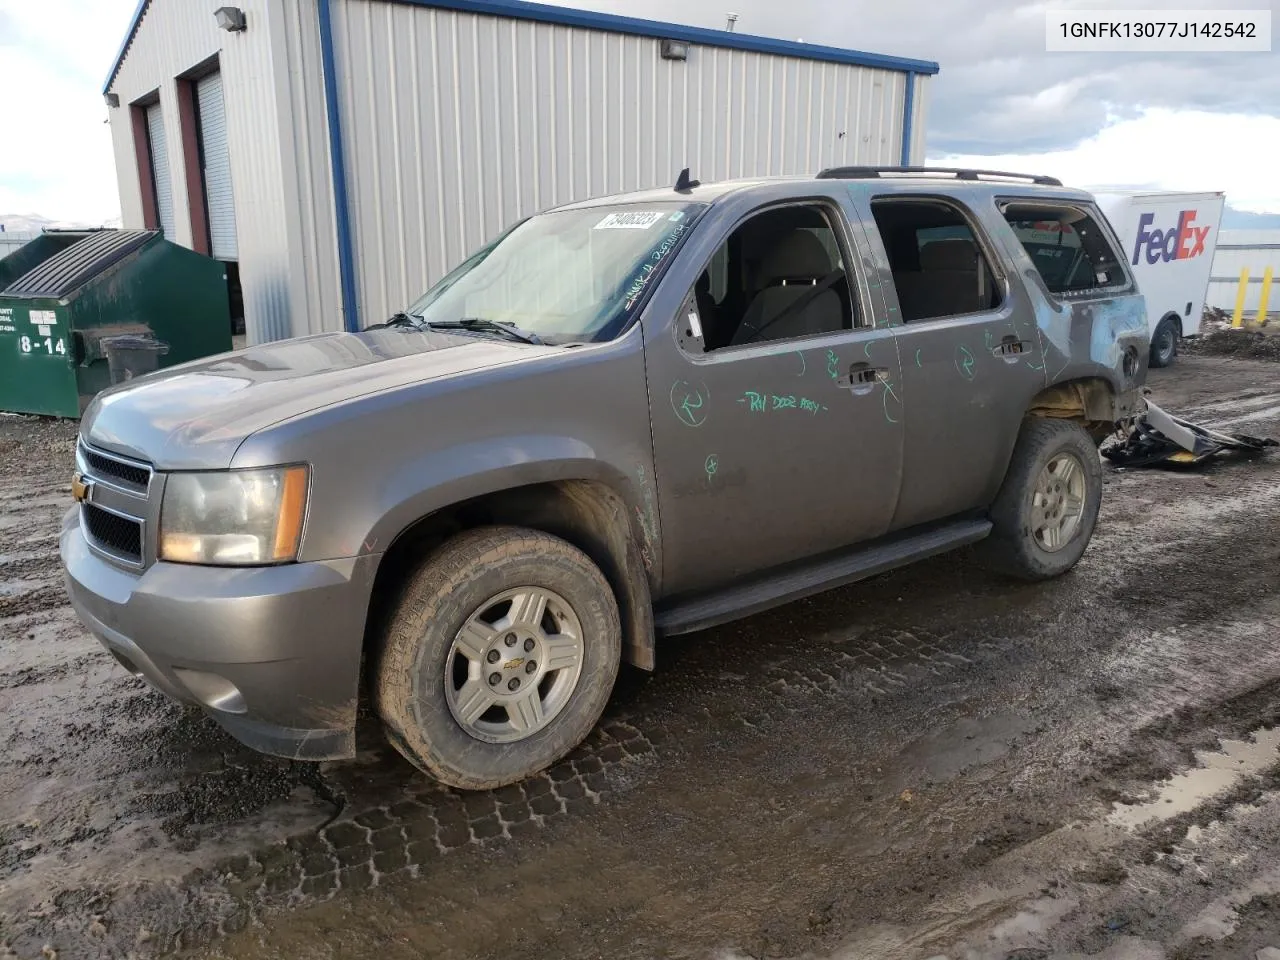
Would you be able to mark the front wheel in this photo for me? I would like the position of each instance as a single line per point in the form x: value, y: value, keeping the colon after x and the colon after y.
x: 1044, y: 515
x: 1164, y: 344
x: 500, y: 657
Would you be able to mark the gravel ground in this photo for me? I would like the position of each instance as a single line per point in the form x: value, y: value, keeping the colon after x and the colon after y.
x: 932, y: 763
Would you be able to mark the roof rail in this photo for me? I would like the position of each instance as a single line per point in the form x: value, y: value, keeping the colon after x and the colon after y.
x: 869, y: 173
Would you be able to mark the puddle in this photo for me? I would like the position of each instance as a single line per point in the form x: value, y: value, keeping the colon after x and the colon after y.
x: 1234, y: 406
x: 1266, y: 413
x: 1217, y: 773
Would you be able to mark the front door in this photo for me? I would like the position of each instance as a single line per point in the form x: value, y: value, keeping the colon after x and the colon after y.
x: 777, y: 427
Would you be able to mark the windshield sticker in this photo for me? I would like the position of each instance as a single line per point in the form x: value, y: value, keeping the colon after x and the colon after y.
x: 677, y: 216
x: 651, y: 264
x: 641, y: 220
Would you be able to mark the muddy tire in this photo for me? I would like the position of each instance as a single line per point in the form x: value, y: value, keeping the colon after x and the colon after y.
x: 1164, y: 343
x: 1044, y: 515
x: 499, y: 657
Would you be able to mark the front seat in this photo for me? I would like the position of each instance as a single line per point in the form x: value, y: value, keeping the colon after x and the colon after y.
x: 796, y: 263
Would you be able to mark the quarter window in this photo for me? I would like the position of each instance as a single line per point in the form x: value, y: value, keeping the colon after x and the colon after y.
x: 1067, y: 246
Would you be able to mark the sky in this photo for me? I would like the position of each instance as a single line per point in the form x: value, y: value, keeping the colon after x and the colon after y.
x: 1190, y: 121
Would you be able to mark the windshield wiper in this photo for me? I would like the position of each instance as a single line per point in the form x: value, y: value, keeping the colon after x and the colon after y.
x: 398, y: 320
x: 509, y: 330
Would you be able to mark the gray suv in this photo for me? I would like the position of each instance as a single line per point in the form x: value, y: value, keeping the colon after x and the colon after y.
x: 625, y: 418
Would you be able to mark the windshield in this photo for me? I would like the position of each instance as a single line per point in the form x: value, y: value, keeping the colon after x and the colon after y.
x: 568, y: 275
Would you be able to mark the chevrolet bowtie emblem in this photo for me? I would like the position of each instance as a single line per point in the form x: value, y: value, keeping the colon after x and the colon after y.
x: 80, y: 488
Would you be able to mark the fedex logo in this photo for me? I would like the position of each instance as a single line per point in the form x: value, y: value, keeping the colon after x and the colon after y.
x: 1177, y: 243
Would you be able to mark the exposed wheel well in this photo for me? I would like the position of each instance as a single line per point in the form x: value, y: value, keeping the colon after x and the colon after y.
x: 589, y: 515
x: 1089, y: 401
x: 1176, y: 320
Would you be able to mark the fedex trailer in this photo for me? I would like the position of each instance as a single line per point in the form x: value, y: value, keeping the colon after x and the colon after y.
x: 1169, y: 240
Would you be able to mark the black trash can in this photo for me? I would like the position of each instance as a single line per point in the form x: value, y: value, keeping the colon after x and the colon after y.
x: 132, y: 356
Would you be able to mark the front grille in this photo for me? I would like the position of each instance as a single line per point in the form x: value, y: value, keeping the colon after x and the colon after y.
x: 118, y: 535
x: 129, y: 473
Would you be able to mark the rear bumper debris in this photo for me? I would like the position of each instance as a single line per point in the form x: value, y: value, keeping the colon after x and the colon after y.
x: 1158, y: 438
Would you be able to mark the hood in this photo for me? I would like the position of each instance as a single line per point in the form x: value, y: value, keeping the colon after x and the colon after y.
x: 197, y: 414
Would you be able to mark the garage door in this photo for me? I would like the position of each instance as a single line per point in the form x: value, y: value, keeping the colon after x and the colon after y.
x: 160, y: 169
x: 216, y: 163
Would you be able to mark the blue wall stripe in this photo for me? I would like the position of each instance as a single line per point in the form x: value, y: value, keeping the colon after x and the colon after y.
x: 337, y: 162
x: 908, y: 116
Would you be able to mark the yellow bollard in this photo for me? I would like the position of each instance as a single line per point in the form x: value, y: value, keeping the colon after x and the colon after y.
x: 1262, y: 302
x: 1237, y: 318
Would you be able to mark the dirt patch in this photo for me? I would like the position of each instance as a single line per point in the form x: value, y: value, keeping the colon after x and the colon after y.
x: 871, y: 759
x: 1241, y: 344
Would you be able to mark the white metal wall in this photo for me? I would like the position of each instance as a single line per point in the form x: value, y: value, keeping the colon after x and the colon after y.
x: 1237, y: 249
x: 176, y: 36
x: 13, y: 240
x: 456, y: 124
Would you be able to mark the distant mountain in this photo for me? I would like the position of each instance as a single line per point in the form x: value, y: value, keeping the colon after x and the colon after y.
x: 1243, y: 220
x: 34, y: 223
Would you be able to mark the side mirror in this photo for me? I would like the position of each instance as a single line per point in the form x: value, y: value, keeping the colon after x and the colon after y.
x: 689, y: 334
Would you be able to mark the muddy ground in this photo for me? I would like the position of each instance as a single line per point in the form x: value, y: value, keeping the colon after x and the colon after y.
x: 934, y: 763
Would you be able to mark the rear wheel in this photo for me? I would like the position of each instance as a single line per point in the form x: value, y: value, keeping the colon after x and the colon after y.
x: 500, y: 657
x: 1044, y: 515
x: 1164, y: 343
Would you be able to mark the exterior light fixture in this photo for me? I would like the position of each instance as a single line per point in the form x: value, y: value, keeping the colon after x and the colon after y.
x: 674, y: 50
x: 230, y: 19
x: 113, y: 99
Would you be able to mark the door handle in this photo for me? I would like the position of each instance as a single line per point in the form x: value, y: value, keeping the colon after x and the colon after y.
x: 863, y: 378
x: 1011, y: 349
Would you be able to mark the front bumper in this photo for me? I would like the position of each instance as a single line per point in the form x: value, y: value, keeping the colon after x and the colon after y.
x: 271, y: 653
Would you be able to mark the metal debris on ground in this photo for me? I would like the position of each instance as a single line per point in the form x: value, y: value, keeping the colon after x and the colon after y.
x: 1158, y: 437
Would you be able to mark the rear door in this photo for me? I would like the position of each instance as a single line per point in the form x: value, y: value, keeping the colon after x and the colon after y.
x: 971, y: 358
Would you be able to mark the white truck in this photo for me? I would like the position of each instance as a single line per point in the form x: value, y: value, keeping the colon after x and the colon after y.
x: 1169, y: 239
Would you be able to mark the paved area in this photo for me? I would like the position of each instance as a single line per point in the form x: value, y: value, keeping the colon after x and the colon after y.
x: 934, y: 763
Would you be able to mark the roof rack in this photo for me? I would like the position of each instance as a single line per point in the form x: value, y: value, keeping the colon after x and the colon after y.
x: 870, y: 173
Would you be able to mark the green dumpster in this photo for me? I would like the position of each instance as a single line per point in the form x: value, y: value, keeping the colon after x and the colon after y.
x: 62, y: 295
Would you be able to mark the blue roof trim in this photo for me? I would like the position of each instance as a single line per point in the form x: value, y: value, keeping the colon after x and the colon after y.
x: 568, y: 16
x: 124, y: 44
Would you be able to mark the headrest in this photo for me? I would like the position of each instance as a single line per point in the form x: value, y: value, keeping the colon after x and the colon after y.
x: 798, y: 254
x: 954, y: 254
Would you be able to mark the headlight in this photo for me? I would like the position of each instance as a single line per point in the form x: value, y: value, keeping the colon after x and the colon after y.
x: 233, y: 517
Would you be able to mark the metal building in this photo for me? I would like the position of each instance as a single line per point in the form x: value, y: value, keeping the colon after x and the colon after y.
x: 1252, y: 250
x: 342, y: 155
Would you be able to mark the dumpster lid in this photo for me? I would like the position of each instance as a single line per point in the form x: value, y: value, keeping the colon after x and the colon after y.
x: 68, y: 270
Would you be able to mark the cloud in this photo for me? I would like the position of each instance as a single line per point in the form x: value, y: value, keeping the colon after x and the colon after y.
x: 57, y: 159
x: 1162, y: 149
x: 999, y: 95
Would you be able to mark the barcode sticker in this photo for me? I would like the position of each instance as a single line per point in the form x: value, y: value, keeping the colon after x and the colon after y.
x: 640, y: 220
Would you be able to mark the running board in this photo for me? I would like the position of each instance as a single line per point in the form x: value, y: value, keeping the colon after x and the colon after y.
x: 797, y: 581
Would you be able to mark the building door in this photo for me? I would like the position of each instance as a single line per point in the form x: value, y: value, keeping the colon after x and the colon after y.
x: 159, y: 152
x: 215, y: 168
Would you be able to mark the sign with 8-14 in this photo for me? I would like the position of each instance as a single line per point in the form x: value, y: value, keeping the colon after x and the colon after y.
x: 46, y: 339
